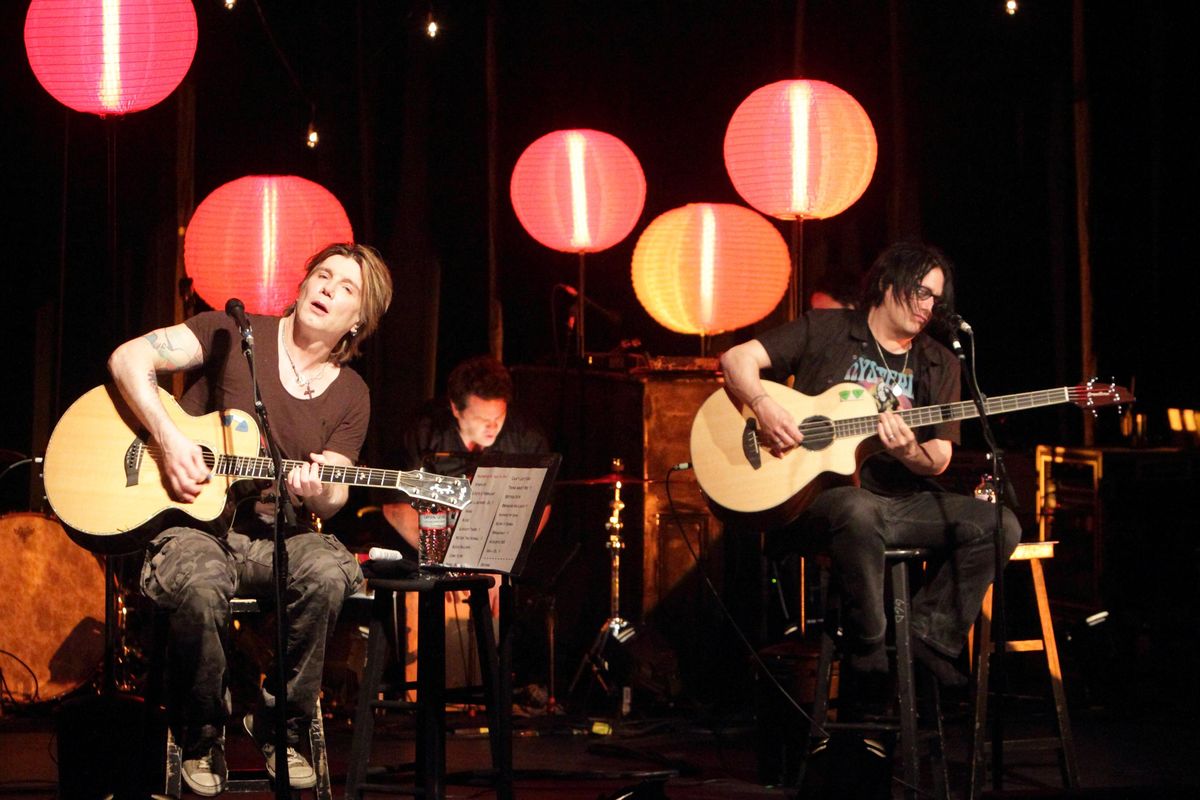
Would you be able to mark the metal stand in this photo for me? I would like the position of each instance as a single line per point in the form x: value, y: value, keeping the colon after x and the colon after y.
x: 615, y: 627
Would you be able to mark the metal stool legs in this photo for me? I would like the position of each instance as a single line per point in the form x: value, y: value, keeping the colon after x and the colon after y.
x: 430, y: 765
x: 173, y: 784
x: 906, y: 694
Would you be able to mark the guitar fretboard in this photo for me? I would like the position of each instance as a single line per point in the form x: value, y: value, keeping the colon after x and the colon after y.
x: 449, y: 491
x: 931, y: 415
x: 258, y: 467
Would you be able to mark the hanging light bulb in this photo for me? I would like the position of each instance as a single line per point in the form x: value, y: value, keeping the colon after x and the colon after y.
x: 1010, y: 7
x: 229, y: 4
x: 431, y: 26
x: 312, y: 139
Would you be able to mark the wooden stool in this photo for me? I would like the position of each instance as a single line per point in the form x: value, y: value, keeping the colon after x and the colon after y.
x: 1031, y: 553
x: 255, y: 780
x: 896, y: 585
x: 429, y: 779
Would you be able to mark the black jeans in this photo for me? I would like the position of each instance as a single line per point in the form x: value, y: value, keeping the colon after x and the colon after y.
x: 194, y: 575
x: 855, y: 526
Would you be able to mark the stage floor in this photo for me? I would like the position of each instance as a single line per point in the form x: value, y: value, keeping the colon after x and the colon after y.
x: 682, y: 756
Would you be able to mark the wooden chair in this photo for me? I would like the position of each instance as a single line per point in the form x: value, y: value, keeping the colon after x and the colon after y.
x: 1031, y: 553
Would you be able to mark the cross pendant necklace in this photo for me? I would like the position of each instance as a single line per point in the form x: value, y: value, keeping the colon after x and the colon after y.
x: 304, y: 383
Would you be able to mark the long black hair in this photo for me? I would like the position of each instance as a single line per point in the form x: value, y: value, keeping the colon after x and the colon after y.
x: 903, y: 266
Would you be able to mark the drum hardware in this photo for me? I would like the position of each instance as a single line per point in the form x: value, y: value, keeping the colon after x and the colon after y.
x: 615, y: 628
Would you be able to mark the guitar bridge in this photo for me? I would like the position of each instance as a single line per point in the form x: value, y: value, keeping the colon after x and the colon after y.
x: 133, y: 461
x: 750, y: 443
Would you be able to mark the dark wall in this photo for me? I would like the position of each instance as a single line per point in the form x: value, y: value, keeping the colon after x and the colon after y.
x: 984, y: 107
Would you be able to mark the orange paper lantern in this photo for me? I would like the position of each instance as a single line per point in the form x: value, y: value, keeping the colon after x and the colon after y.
x: 800, y: 149
x: 710, y: 267
x: 251, y: 238
x: 110, y: 56
x: 578, y: 191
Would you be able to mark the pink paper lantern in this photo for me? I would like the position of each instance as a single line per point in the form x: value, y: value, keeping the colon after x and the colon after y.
x: 800, y: 149
x: 578, y: 191
x: 251, y: 237
x: 110, y: 56
x: 710, y: 267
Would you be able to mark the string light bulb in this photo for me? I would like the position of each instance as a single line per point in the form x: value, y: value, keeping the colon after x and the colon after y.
x: 1010, y: 7
x: 431, y: 26
x: 229, y: 4
x: 312, y: 138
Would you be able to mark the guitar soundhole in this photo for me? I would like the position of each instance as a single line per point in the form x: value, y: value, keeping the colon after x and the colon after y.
x: 818, y: 433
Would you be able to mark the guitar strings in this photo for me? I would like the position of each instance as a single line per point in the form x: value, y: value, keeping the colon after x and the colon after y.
x: 824, y: 429
x: 262, y: 467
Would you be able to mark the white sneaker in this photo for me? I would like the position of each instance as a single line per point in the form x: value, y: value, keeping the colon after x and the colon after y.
x: 301, y: 775
x: 206, y: 775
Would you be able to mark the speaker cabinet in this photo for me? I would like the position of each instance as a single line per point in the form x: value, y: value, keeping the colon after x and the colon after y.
x: 1126, y: 533
x: 644, y: 420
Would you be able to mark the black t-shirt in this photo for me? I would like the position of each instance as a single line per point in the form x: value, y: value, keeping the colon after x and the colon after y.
x: 334, y: 420
x: 435, y: 430
x: 829, y: 346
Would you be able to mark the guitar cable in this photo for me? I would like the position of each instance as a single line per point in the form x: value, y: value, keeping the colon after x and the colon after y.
x: 760, y: 665
x: 754, y: 656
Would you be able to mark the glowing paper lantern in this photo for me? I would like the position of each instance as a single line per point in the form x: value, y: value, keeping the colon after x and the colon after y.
x: 710, y: 267
x: 800, y: 149
x: 578, y: 191
x: 251, y: 237
x: 110, y: 56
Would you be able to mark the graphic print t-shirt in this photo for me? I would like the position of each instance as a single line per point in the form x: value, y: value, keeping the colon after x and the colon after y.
x: 827, y: 347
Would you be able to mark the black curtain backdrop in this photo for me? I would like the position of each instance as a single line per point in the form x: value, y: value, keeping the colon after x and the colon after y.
x: 988, y: 131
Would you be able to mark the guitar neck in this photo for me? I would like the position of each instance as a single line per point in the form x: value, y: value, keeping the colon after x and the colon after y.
x: 931, y: 415
x: 260, y: 467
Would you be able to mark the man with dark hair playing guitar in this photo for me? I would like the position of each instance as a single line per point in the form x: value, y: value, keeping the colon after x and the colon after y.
x: 319, y: 409
x: 883, y: 349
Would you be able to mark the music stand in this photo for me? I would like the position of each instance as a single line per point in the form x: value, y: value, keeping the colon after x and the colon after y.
x: 509, y: 494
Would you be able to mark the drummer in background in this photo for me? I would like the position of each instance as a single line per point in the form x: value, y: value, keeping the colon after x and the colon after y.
x: 449, y: 434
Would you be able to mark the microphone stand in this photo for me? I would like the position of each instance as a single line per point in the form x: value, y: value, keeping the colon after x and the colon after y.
x: 999, y: 633
x: 285, y: 519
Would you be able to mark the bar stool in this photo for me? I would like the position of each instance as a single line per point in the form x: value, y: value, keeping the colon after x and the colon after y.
x: 896, y: 586
x: 429, y: 769
x: 1062, y: 742
x: 252, y: 780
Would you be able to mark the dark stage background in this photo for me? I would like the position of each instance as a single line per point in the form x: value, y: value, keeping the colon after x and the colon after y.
x: 972, y: 108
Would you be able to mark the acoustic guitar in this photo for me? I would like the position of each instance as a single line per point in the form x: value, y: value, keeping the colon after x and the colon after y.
x: 103, y: 481
x: 744, y: 480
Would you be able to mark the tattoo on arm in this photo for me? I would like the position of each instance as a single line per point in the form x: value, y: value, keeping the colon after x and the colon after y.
x: 152, y: 377
x: 170, y: 354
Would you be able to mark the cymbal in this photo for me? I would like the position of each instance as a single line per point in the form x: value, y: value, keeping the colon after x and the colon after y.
x: 606, y: 480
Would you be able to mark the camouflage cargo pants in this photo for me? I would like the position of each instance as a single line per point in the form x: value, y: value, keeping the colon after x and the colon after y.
x: 193, y: 575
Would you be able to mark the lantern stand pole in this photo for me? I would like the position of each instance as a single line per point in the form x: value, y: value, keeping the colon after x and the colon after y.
x: 796, y: 286
x: 580, y: 330
x: 111, y: 610
x: 703, y: 346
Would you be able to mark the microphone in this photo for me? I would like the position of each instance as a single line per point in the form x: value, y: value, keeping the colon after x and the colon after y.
x: 612, y: 316
x: 957, y: 324
x: 235, y: 309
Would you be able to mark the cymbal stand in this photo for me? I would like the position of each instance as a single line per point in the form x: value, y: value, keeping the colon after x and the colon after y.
x: 615, y: 627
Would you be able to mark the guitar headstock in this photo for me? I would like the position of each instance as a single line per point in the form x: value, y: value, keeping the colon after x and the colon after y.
x: 1094, y: 394
x: 440, y: 489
